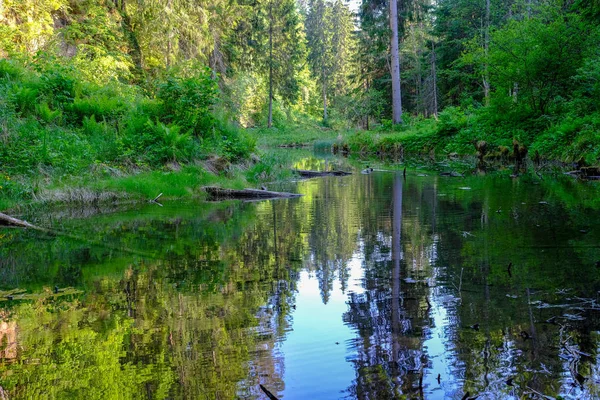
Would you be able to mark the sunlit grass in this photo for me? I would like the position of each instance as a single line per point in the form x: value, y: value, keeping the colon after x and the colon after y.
x: 305, y: 134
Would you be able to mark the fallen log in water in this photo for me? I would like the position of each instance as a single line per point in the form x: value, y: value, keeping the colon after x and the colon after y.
x: 221, y: 193
x: 313, y: 174
x: 453, y: 174
x: 11, y: 221
x: 586, y: 173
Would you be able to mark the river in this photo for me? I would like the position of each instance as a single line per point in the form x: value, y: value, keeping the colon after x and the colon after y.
x: 371, y: 286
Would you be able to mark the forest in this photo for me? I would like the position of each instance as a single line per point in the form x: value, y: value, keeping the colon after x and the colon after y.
x: 95, y: 91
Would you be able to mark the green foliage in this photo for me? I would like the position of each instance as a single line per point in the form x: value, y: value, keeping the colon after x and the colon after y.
x: 46, y: 114
x: 10, y: 70
x: 451, y: 121
x: 154, y: 143
x: 269, y: 169
x: 586, y: 96
x: 538, y: 57
x: 99, y: 105
x: 279, y: 115
x: 58, y: 126
x: 91, y: 127
x: 57, y: 86
x: 24, y: 98
x: 236, y: 144
x: 573, y: 139
x: 172, y: 184
x: 330, y: 42
x: 188, y: 101
x: 243, y: 98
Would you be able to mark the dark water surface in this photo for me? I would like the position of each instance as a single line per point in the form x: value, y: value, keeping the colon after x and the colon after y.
x: 368, y: 287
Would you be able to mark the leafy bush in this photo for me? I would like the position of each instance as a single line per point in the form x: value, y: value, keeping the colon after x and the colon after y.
x: 236, y: 144
x: 155, y: 144
x: 10, y: 70
x: 24, y: 98
x: 58, y: 87
x: 451, y: 121
x: 91, y: 127
x: 46, y: 114
x: 188, y: 101
x: 572, y: 139
x: 100, y: 106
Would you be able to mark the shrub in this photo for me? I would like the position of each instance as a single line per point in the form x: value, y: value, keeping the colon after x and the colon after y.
x: 24, y: 98
x: 10, y: 70
x: 46, y: 114
x: 58, y: 87
x: 188, y: 101
x: 100, y: 106
x: 236, y: 144
x: 451, y: 121
x: 571, y: 139
x: 154, y: 144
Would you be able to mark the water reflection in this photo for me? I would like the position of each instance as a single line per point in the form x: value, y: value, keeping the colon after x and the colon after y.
x: 367, y: 287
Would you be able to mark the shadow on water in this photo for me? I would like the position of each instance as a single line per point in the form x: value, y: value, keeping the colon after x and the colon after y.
x: 369, y: 287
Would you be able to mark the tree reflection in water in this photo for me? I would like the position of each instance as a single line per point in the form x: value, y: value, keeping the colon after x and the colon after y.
x: 209, y: 300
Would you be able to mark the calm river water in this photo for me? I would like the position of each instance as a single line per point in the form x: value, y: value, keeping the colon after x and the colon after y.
x: 369, y: 286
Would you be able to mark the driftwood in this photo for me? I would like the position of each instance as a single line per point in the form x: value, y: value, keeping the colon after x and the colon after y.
x: 294, y: 145
x: 453, y: 174
x: 221, y: 193
x: 586, y: 173
x: 313, y: 174
x: 11, y: 221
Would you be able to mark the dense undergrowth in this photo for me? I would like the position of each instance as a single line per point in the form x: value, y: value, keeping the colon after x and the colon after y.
x: 57, y: 129
x: 569, y: 138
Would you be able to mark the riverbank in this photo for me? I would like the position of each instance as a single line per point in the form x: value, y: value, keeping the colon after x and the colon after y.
x: 458, y: 133
x: 107, y: 185
x: 67, y: 139
x: 570, y: 141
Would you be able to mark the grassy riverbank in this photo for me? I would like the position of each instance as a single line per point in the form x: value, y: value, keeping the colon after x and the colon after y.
x: 68, y: 139
x: 65, y: 139
x: 569, y: 139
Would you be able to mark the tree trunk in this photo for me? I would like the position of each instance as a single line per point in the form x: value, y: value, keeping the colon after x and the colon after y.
x: 395, y: 70
x: 270, y: 119
x: 324, y: 93
x: 135, y: 51
x: 486, y: 45
x: 215, y: 192
x: 434, y: 75
x: 8, y: 220
x: 169, y: 34
x: 369, y: 102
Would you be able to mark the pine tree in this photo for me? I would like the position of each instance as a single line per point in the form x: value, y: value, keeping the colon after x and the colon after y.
x: 329, y: 37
